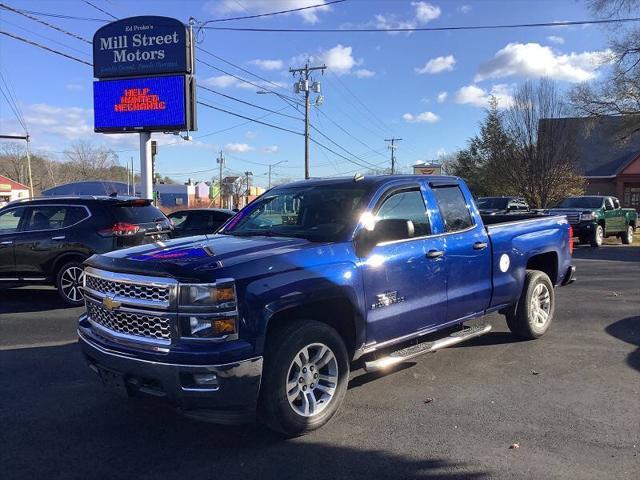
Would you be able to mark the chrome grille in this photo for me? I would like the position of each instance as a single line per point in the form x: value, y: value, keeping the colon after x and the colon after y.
x: 154, y: 293
x: 141, y: 325
x: 573, y: 218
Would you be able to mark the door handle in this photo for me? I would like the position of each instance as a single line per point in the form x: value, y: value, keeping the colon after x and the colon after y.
x: 61, y: 237
x: 480, y: 245
x: 9, y: 242
x: 435, y: 253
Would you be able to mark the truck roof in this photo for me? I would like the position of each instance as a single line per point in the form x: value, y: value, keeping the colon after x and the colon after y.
x: 368, y: 180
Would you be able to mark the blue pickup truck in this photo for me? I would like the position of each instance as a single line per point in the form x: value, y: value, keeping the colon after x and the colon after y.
x: 264, y: 319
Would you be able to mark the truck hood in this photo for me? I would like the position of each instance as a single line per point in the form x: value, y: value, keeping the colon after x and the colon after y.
x: 193, y: 259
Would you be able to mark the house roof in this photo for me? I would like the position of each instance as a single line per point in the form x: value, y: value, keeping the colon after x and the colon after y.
x: 14, y: 185
x: 602, y: 149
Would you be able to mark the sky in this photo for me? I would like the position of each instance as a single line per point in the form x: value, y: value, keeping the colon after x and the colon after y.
x: 428, y: 88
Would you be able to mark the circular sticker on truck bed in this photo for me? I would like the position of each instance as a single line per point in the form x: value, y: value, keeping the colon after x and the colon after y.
x: 504, y: 262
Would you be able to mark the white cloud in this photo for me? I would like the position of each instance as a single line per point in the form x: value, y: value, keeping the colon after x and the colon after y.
x: 479, y: 97
x: 250, y: 135
x: 442, y: 96
x: 428, y: 117
x: 238, y: 147
x: 74, y: 86
x: 338, y: 59
x: 535, y: 60
x: 437, y: 65
x: 364, y: 73
x: 271, y: 149
x: 263, y: 6
x: 556, y: 39
x: 423, y: 13
x: 464, y: 8
x: 267, y: 64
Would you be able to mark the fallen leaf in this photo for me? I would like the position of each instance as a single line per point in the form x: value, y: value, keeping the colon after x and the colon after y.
x: 533, y: 372
x: 428, y: 400
x: 513, y: 446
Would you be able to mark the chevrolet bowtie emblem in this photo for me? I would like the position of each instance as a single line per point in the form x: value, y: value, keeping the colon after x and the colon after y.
x: 110, y: 304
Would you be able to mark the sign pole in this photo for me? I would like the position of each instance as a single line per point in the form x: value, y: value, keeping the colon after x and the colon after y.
x: 145, y: 165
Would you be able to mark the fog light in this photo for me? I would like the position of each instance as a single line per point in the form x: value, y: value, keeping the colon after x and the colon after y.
x: 206, y: 379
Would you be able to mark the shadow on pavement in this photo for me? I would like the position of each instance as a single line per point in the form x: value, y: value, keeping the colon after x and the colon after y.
x: 628, y: 330
x: 20, y: 300
x: 69, y: 427
x: 619, y: 253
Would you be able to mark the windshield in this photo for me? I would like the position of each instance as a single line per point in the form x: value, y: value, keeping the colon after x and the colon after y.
x: 492, y: 203
x: 581, y: 202
x: 317, y: 213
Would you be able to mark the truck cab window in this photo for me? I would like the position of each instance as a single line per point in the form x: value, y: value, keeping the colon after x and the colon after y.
x: 453, y: 208
x: 616, y: 203
x: 608, y: 204
x: 407, y: 205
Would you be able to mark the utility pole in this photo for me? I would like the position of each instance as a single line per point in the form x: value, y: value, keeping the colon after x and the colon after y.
x: 27, y: 138
x: 220, y: 161
x: 393, y: 147
x: 272, y: 165
x: 247, y: 174
x: 304, y: 86
x: 154, y: 152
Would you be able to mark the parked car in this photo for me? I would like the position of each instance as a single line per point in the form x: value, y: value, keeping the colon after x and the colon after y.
x: 594, y: 218
x: 45, y: 240
x: 498, y: 205
x: 198, y: 221
x: 268, y: 315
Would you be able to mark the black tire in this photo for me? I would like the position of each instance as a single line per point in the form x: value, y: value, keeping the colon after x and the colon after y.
x: 627, y: 237
x: 282, y: 349
x: 522, y: 319
x: 598, y: 236
x: 69, y: 283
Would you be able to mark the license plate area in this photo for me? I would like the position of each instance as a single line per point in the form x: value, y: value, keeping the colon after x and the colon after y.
x: 113, y: 381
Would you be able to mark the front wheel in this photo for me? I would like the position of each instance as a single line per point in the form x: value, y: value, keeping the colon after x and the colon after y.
x: 531, y: 317
x: 305, y: 378
x: 627, y: 237
x: 69, y: 283
x: 598, y: 236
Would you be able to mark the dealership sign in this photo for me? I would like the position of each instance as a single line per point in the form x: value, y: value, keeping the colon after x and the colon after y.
x: 141, y: 46
x: 144, y: 67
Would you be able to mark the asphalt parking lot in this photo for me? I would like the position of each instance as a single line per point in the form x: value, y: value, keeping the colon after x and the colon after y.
x: 570, y: 401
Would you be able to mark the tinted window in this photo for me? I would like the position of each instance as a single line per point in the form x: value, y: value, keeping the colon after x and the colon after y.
x: 616, y: 203
x: 453, y: 208
x: 10, y: 219
x: 137, y: 213
x: 51, y: 217
x: 407, y: 205
x: 581, y: 202
x: 178, y: 218
x: 608, y: 204
x: 220, y: 217
x: 492, y: 203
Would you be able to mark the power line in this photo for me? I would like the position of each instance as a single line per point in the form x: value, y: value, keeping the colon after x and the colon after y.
x: 63, y: 17
x: 247, y: 103
x: 255, y: 120
x: 427, y: 29
x: 30, y: 17
x: 35, y: 44
x: 12, y: 102
x: 259, y: 15
x: 100, y: 9
x: 49, y: 39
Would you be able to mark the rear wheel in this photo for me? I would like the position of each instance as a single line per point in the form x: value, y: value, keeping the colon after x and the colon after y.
x: 598, y: 236
x: 69, y: 283
x: 627, y: 237
x: 305, y: 377
x: 531, y: 317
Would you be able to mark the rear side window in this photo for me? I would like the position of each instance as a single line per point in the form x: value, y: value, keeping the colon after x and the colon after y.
x: 137, y: 214
x: 178, y: 218
x: 407, y: 205
x: 453, y: 208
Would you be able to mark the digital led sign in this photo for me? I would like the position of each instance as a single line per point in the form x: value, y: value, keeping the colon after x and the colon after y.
x: 142, y: 104
x: 146, y: 45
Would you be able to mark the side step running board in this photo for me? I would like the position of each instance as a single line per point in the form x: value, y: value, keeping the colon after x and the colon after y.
x: 413, y: 351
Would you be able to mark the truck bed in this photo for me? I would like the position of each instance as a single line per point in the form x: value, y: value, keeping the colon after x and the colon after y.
x: 511, y: 217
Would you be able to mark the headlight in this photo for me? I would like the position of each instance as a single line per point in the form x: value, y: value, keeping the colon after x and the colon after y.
x: 220, y: 295
x: 207, y: 326
x: 587, y: 217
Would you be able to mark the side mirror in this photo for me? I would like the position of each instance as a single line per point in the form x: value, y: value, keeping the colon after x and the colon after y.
x: 385, y: 230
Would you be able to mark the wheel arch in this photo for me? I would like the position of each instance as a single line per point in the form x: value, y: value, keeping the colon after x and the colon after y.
x: 546, y: 262
x: 65, y: 258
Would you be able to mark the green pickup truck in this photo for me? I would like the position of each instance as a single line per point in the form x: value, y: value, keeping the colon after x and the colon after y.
x: 595, y: 217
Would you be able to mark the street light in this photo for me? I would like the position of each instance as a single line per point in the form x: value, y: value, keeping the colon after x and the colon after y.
x: 271, y: 165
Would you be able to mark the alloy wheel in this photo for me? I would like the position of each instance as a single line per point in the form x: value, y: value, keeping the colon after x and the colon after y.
x: 540, y: 305
x: 71, y: 282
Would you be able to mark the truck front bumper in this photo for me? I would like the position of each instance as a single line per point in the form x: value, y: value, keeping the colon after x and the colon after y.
x: 229, y: 395
x: 584, y: 230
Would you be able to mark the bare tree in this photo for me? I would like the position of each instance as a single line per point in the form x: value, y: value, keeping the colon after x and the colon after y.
x: 544, y: 163
x: 619, y: 92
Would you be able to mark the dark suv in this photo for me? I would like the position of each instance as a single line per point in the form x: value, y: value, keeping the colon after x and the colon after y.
x: 45, y: 240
